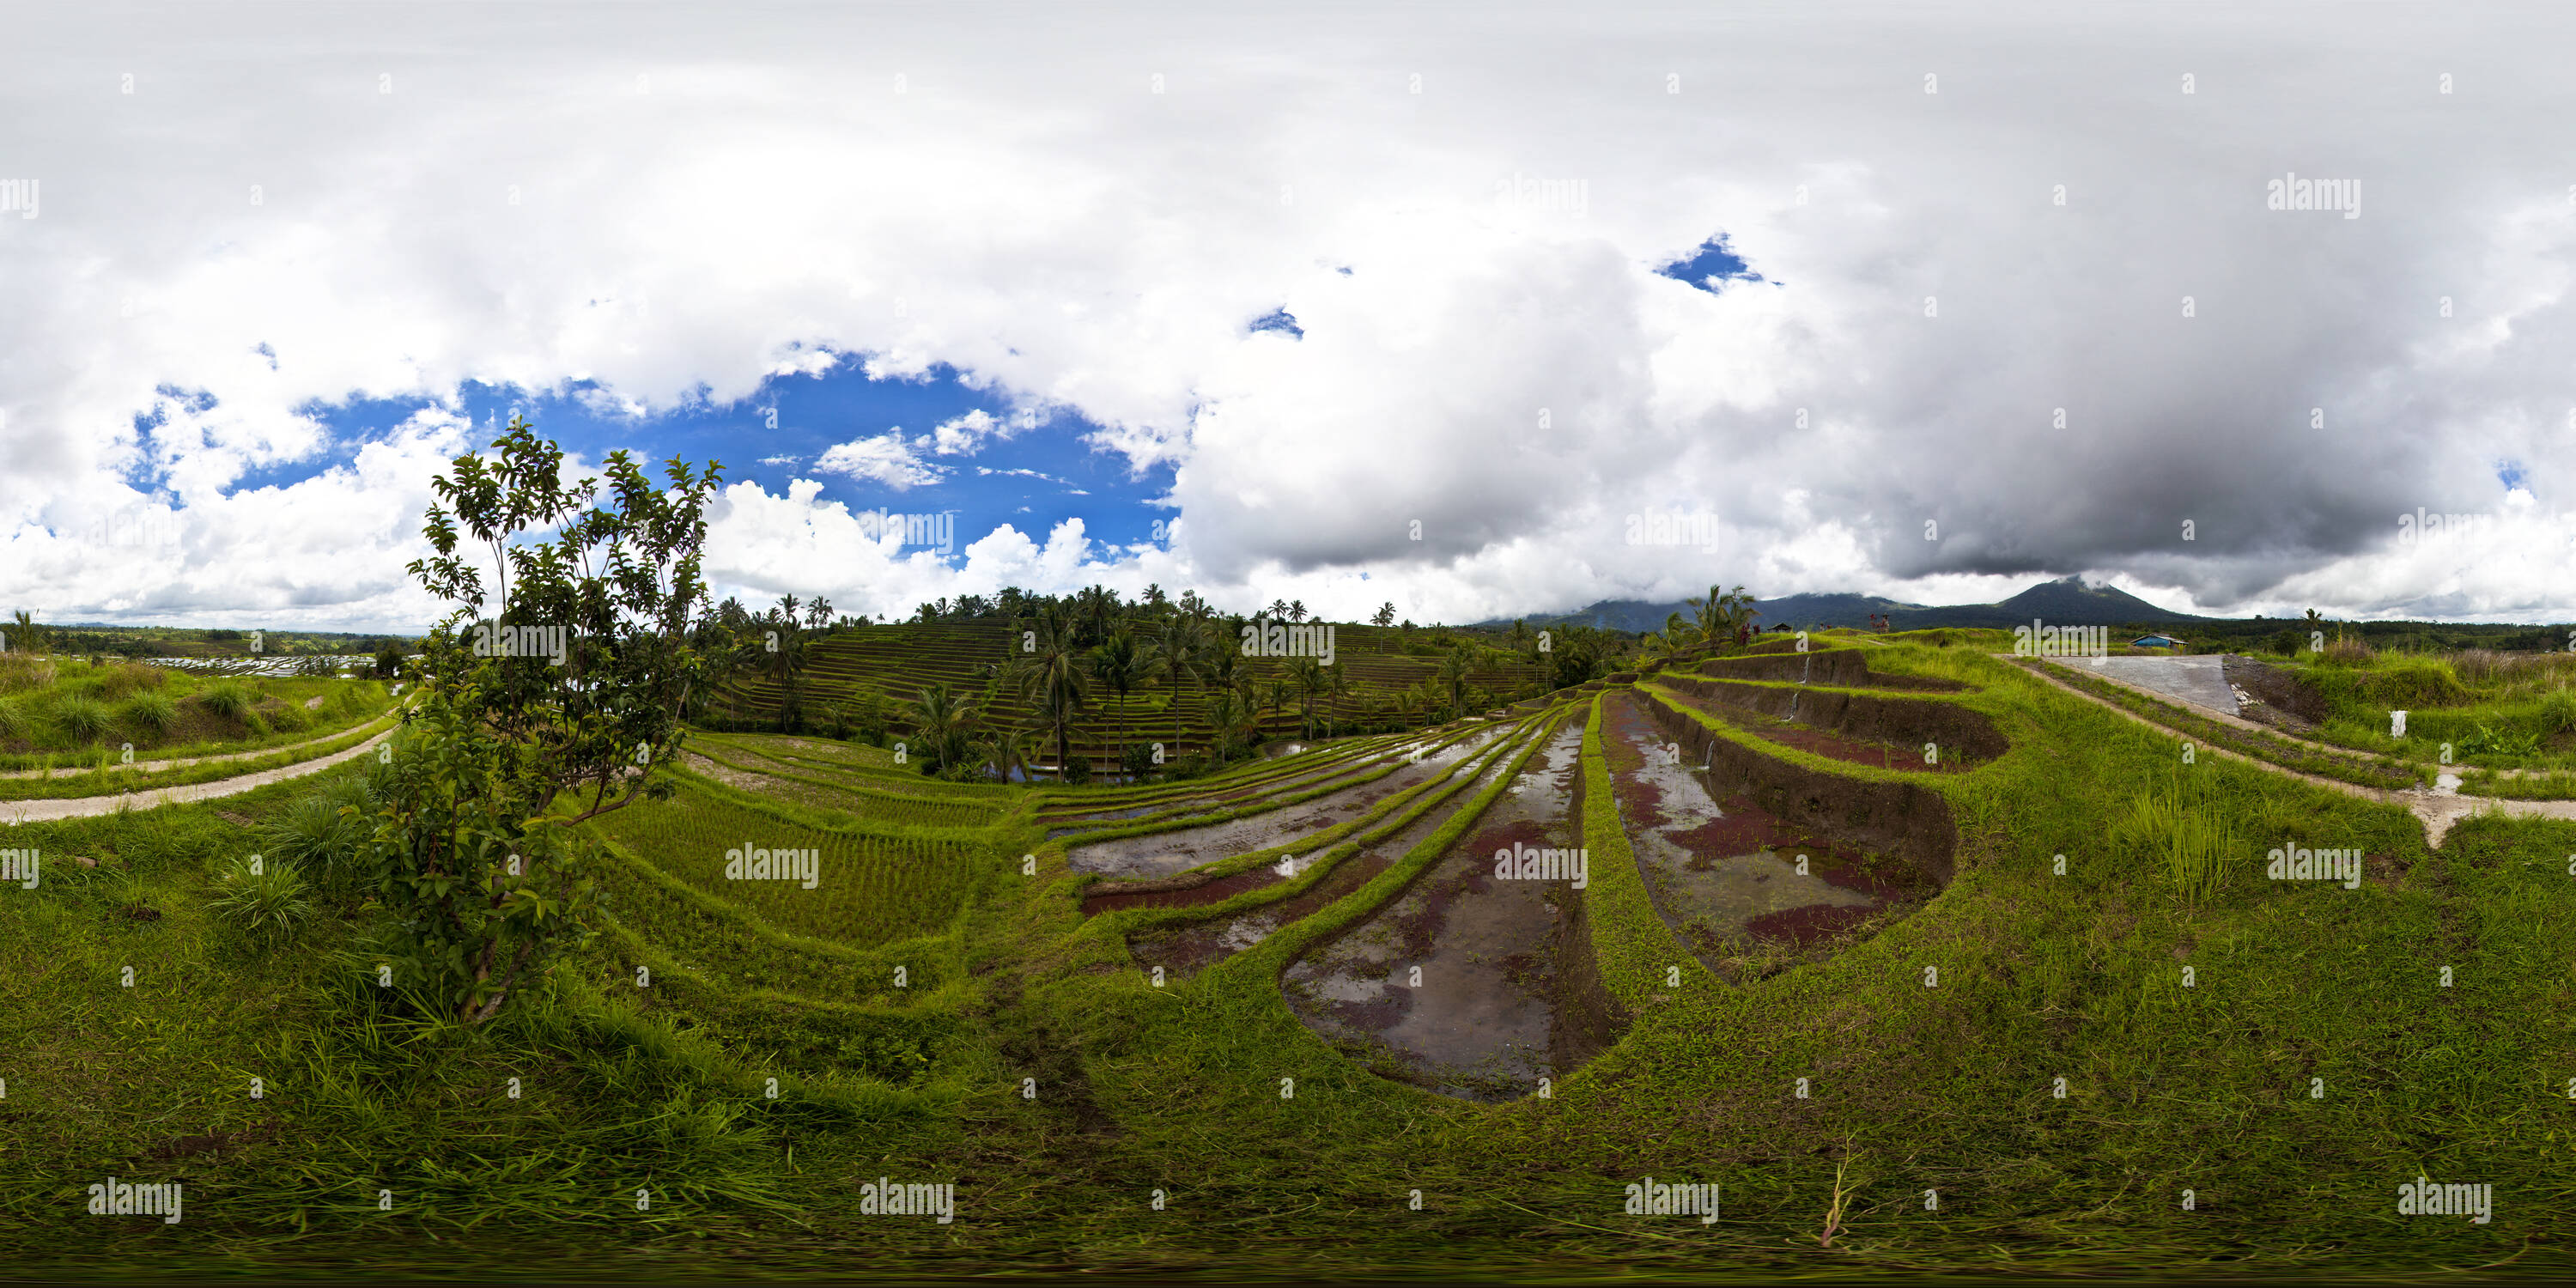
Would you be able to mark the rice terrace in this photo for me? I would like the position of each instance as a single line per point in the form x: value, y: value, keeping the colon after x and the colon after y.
x: 664, y: 643
x: 1117, y: 939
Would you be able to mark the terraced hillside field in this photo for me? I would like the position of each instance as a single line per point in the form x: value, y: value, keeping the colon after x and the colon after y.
x: 1911, y: 952
x: 900, y: 661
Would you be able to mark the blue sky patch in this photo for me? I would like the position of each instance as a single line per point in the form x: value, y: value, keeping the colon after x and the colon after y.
x: 1710, y: 267
x: 1280, y: 319
x: 1030, y: 472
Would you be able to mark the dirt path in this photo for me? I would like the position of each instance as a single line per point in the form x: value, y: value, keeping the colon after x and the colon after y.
x: 93, y: 806
x: 156, y: 766
x: 2437, y: 810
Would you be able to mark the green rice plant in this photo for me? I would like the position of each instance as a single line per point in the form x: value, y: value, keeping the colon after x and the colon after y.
x: 2190, y: 841
x: 150, y: 711
x: 83, y: 719
x: 869, y: 889
x: 226, y: 698
x: 261, y: 898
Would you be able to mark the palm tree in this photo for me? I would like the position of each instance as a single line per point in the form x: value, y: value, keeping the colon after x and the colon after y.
x: 31, y: 636
x: 1052, y: 670
x: 1297, y: 610
x: 787, y: 666
x: 1007, y: 749
x: 1337, y: 682
x: 1226, y: 717
x: 1308, y: 675
x: 1278, y: 608
x: 1385, y: 615
x: 1452, y: 675
x: 1099, y: 608
x: 1723, y: 613
x: 1178, y: 649
x: 943, y: 720
x: 1122, y: 662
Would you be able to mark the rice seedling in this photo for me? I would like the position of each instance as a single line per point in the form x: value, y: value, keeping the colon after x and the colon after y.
x: 868, y: 889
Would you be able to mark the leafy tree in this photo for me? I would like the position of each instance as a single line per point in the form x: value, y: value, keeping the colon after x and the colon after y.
x: 1051, y: 669
x: 944, y: 723
x: 474, y: 856
x: 1337, y: 682
x: 1308, y: 675
x: 1723, y: 612
x: 1179, y: 655
x: 29, y: 636
x: 1122, y: 662
x: 1453, y: 673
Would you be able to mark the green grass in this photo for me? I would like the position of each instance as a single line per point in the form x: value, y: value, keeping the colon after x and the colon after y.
x: 102, y: 775
x: 665, y: 1087
x: 2383, y: 773
x: 870, y: 889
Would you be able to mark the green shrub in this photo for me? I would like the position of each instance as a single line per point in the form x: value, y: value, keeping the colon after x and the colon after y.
x: 287, y: 716
x: 128, y: 677
x: 82, y: 719
x: 345, y: 700
x: 151, y: 712
x: 261, y: 898
x: 2499, y: 742
x: 315, y: 836
x: 226, y: 698
x: 2410, y: 682
x: 2558, y: 711
x: 13, y: 719
x: 20, y: 672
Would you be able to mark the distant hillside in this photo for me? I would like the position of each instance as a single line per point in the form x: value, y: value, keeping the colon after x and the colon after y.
x: 2066, y: 601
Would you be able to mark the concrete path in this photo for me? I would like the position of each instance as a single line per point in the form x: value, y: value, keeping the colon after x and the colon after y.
x: 184, y: 762
x: 2200, y: 681
x: 2437, y: 809
x: 12, y: 812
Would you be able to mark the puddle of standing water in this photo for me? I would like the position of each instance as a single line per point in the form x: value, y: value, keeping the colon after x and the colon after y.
x: 1184, y: 950
x: 1167, y: 852
x: 1726, y: 875
x: 1483, y: 1018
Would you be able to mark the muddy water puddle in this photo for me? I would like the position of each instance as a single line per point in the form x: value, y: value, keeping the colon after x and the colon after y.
x: 1822, y: 742
x: 1186, y: 949
x: 1459, y: 984
x: 1168, y: 852
x: 1327, y: 777
x: 1731, y: 879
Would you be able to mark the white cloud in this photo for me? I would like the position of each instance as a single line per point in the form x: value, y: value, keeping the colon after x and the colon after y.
x: 522, y: 210
x: 966, y: 435
x: 886, y: 459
